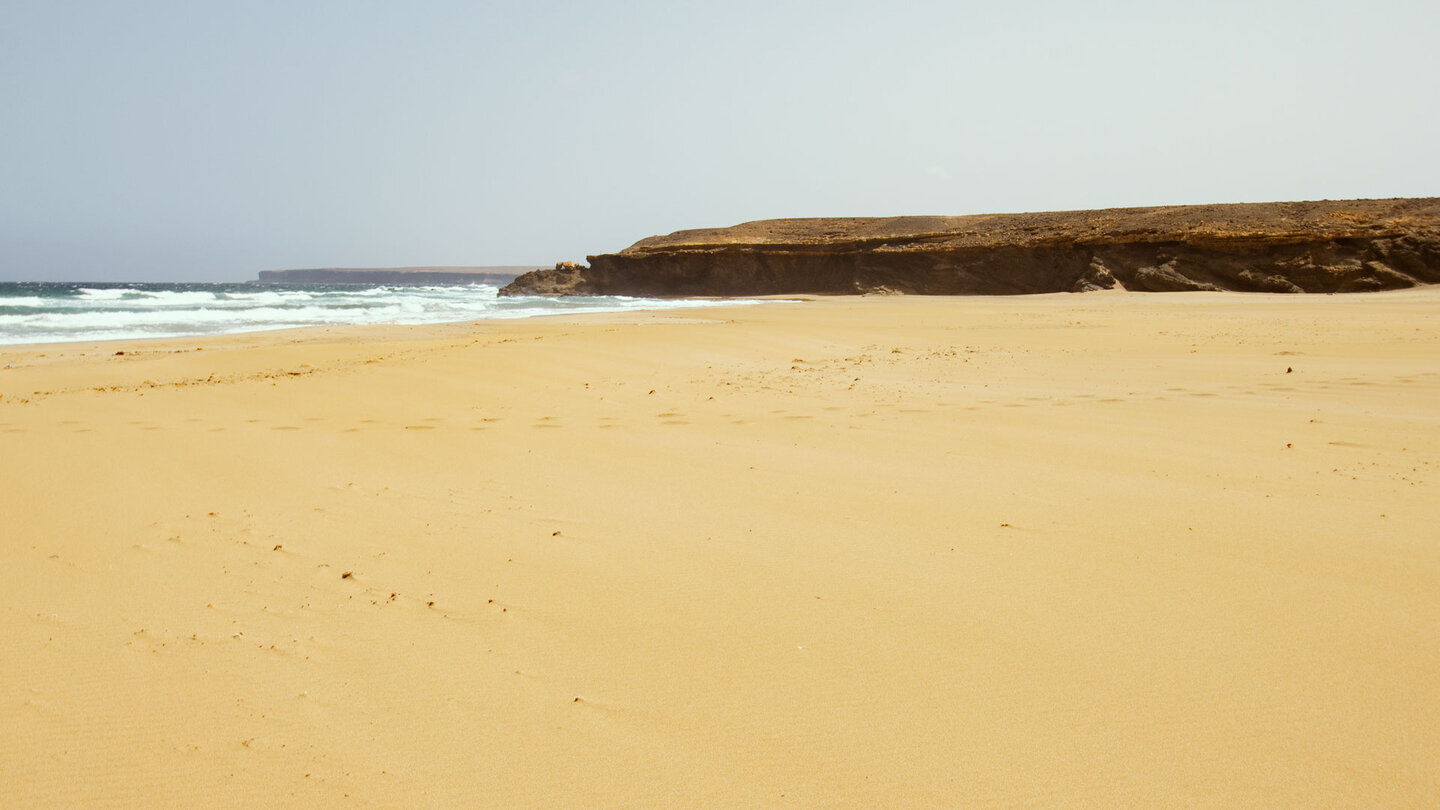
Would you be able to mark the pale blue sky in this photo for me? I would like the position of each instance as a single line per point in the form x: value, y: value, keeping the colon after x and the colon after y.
x: 210, y: 140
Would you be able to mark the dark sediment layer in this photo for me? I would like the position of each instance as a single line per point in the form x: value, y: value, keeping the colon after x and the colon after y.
x: 1319, y: 247
x: 396, y: 275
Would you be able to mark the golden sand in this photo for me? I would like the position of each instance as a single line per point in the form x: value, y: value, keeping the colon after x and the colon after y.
x: 1111, y: 550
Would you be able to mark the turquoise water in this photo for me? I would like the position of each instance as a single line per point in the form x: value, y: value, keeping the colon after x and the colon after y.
x: 46, y: 312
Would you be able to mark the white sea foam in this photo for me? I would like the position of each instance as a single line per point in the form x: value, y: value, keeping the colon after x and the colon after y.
x: 63, y: 313
x: 106, y: 294
x: 178, y: 297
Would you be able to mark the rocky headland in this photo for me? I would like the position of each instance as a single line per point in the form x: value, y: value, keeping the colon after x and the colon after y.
x: 1292, y: 247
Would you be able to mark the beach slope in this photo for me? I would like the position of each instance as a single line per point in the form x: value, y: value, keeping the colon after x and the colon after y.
x: 1054, y: 551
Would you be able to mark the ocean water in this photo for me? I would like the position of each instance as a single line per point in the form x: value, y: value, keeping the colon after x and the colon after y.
x: 44, y: 312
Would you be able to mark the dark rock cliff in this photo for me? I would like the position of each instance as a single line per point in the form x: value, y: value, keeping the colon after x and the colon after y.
x: 1323, y: 247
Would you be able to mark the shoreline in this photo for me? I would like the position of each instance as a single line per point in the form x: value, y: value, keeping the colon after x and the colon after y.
x: 719, y: 301
x: 165, y: 311
x: 1072, y: 550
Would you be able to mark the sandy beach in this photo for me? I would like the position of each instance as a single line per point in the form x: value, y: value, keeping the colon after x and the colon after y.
x: 1110, y: 550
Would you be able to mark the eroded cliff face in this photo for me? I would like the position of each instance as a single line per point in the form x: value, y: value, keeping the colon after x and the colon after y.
x: 1330, y: 246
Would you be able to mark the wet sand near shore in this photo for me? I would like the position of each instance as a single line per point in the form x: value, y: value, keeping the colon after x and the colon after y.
x: 1101, y: 550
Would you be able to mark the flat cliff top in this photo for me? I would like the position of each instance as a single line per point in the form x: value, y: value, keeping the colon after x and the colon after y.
x: 1327, y: 219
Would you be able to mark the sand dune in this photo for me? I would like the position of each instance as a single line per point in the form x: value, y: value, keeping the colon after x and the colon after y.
x: 1058, y: 551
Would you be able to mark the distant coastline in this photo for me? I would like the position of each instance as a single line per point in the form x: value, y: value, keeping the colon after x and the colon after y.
x: 493, y: 274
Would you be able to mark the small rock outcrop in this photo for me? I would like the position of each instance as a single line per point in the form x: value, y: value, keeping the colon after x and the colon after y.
x: 567, y: 278
x: 1320, y: 247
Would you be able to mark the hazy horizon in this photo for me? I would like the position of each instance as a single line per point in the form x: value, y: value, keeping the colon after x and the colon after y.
x: 205, y: 141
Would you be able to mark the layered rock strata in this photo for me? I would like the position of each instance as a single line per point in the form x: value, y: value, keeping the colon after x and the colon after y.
x: 1319, y: 247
